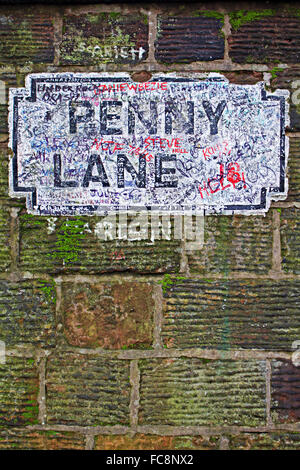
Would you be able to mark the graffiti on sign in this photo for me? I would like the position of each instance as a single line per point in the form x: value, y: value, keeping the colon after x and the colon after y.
x: 90, y: 143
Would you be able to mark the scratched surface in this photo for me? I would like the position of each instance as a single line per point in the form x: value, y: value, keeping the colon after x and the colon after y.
x: 92, y: 143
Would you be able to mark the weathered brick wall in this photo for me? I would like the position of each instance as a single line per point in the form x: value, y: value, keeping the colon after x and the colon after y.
x: 140, y: 345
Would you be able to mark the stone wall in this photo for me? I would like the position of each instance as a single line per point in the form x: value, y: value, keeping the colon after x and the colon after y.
x: 140, y: 344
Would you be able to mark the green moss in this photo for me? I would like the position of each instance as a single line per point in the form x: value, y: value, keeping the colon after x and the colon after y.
x: 30, y: 362
x: 95, y: 18
x: 49, y: 290
x: 68, y: 240
x: 210, y: 14
x: 275, y: 70
x: 238, y: 18
x: 167, y: 282
x: 114, y: 15
x: 31, y: 414
x: 51, y: 433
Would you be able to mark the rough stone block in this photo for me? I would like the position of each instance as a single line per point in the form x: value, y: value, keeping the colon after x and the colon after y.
x: 5, y: 257
x: 56, y: 245
x: 234, y: 244
x: 26, y: 36
x: 19, y: 389
x: 87, y: 390
x: 199, y: 392
x: 243, y: 77
x: 3, y: 172
x: 264, y: 36
x: 265, y: 441
x: 155, y: 442
x: 289, y: 79
x: 104, y: 38
x: 189, y: 38
x: 285, y: 392
x: 290, y: 240
x: 246, y: 314
x: 22, y: 439
x: 294, y: 170
x: 27, y: 313
x: 108, y: 315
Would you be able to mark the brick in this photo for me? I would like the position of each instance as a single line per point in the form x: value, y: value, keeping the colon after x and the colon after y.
x: 104, y: 38
x: 108, y: 315
x: 57, y: 245
x: 87, y: 390
x: 5, y: 258
x: 264, y: 36
x: 26, y: 36
x: 247, y: 314
x: 234, y: 244
x: 27, y: 313
x: 289, y: 79
x: 18, y: 392
x: 154, y: 442
x: 294, y: 170
x: 265, y: 441
x: 290, y: 240
x: 285, y: 392
x: 22, y: 439
x: 192, y: 392
x: 189, y: 38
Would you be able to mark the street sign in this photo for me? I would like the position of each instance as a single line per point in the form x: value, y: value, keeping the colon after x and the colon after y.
x: 95, y: 143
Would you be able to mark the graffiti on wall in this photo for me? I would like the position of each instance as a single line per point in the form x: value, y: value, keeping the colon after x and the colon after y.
x: 95, y: 143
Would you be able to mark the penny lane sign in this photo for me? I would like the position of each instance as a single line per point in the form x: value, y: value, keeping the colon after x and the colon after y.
x: 93, y: 143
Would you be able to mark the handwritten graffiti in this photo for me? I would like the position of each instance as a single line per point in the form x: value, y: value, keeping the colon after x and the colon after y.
x: 216, y: 150
x: 231, y: 173
x: 90, y: 143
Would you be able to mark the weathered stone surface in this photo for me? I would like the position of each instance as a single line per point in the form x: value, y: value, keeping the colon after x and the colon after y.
x: 202, y: 392
x: 234, y: 244
x: 243, y: 77
x: 26, y: 36
x: 294, y: 170
x: 72, y: 244
x: 189, y: 38
x: 264, y: 36
x: 229, y: 315
x: 23, y: 439
x: 7, y: 80
x: 113, y: 316
x: 87, y: 390
x: 27, y: 313
x: 18, y: 392
x: 5, y: 258
x: 285, y: 392
x: 154, y: 442
x: 290, y: 240
x: 3, y: 171
x: 104, y: 38
x: 265, y: 441
x: 289, y: 79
